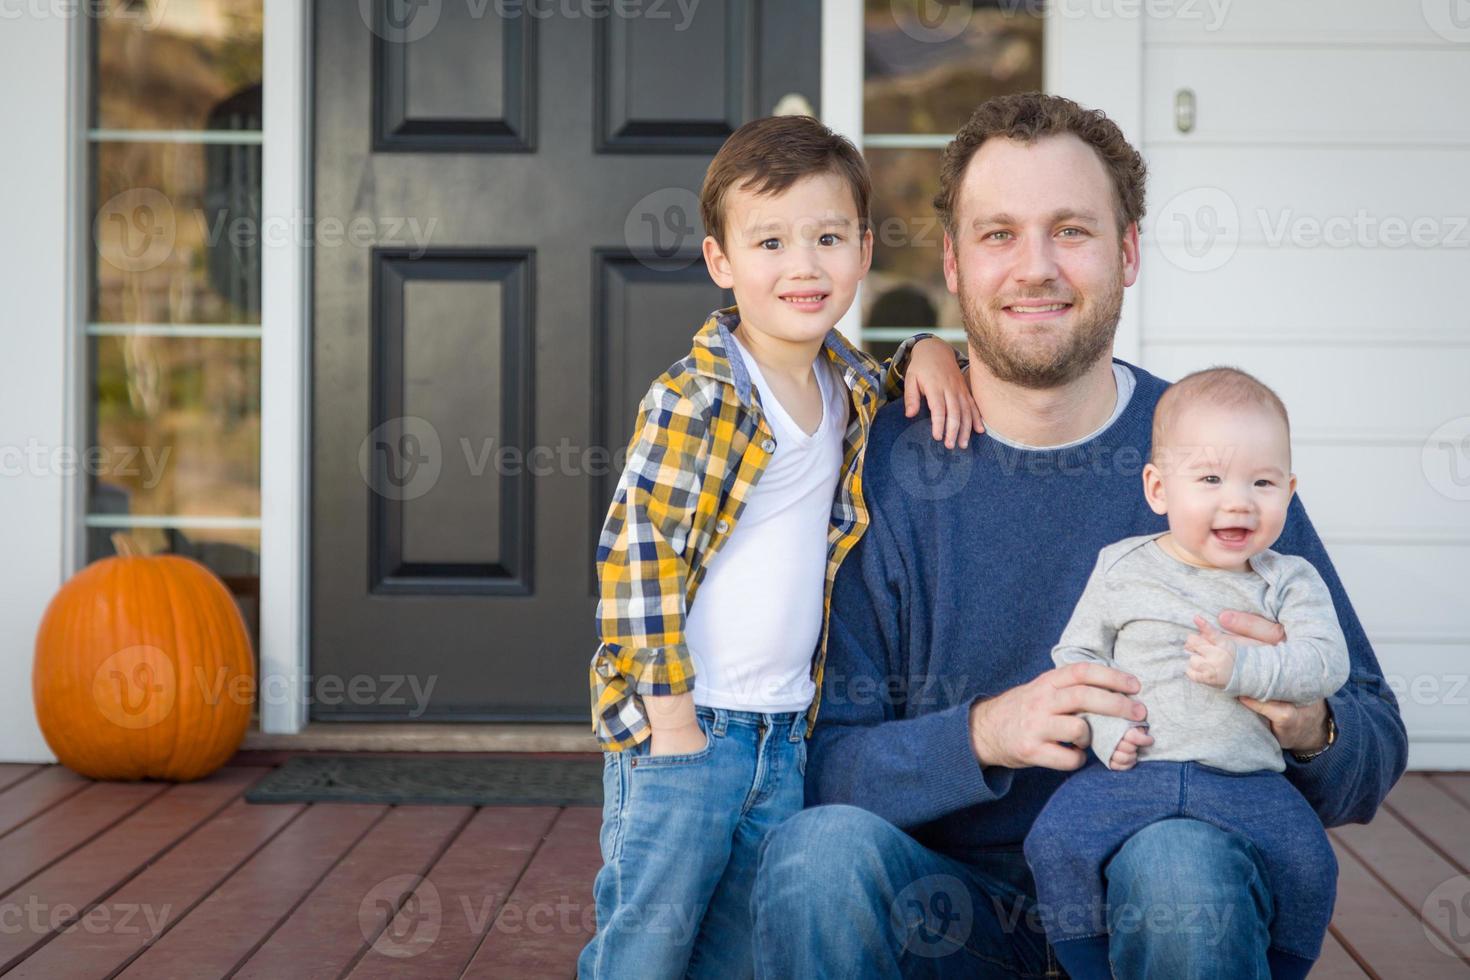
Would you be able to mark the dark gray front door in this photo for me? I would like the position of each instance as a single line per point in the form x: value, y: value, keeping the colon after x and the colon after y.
x: 506, y: 241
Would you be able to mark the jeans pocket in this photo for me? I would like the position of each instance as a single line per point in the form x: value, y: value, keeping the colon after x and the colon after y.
x: 645, y: 761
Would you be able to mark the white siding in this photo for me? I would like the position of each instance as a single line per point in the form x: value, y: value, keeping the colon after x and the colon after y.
x: 1314, y: 229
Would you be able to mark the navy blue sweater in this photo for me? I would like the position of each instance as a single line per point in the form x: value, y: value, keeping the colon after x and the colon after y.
x: 962, y: 584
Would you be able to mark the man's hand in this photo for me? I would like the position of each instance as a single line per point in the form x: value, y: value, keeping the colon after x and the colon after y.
x: 1126, y: 754
x: 934, y: 373
x: 1299, y: 728
x: 1255, y: 630
x: 1211, y: 655
x: 1023, y: 726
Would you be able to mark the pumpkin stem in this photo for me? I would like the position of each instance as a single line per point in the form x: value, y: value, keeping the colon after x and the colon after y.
x: 126, y: 545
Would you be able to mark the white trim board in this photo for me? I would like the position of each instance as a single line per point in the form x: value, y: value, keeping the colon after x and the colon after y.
x: 38, y: 352
x: 1096, y: 59
x: 842, y: 104
x: 285, y: 464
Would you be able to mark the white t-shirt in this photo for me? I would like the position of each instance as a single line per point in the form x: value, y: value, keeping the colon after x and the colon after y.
x: 758, y: 616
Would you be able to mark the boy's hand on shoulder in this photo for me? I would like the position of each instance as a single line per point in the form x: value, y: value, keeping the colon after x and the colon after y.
x: 1211, y: 655
x: 1126, y: 754
x: 934, y: 375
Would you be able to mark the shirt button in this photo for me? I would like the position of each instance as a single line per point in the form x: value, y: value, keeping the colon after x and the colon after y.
x: 723, y: 526
x: 769, y: 445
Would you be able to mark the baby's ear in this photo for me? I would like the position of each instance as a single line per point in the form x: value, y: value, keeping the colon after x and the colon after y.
x: 1153, y: 489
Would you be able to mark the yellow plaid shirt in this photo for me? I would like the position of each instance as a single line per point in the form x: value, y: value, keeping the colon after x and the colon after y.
x: 700, y: 443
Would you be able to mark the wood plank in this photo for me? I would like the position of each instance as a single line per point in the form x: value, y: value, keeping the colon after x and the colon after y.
x: 1434, y: 814
x: 1335, y: 963
x: 1380, y: 929
x: 1457, y: 784
x: 68, y: 825
x: 13, y: 772
x: 24, y: 800
x: 55, y: 897
x: 349, y: 908
x: 438, y: 928
x: 223, y: 930
x: 550, y: 915
x: 1414, y: 872
x: 146, y: 907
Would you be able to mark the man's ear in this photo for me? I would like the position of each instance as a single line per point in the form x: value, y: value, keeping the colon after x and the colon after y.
x: 718, y: 263
x: 1153, y: 489
x: 951, y: 265
x: 1131, y: 256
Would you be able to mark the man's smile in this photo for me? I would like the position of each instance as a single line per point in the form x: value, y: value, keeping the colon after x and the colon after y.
x: 1037, y: 309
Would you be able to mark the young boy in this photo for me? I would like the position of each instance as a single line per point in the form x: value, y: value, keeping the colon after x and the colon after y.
x: 1220, y: 469
x: 741, y: 496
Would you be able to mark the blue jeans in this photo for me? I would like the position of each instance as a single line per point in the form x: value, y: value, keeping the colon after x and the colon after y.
x: 680, y: 837
x: 1232, y: 827
x: 844, y: 893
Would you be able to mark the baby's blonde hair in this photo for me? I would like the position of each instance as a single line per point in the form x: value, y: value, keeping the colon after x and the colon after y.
x: 1221, y: 386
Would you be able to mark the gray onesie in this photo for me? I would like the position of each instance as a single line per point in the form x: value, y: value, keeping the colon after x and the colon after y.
x: 1138, y: 609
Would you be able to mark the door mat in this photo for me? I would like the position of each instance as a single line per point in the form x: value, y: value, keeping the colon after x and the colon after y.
x: 450, y: 781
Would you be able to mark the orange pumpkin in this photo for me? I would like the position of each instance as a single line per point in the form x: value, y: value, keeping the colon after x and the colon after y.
x: 143, y: 671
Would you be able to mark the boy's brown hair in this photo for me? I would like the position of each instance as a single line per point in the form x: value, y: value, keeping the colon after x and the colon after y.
x: 1225, y: 387
x: 1026, y: 118
x: 769, y: 155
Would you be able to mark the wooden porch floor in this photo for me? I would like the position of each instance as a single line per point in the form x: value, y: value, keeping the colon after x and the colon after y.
x: 149, y: 880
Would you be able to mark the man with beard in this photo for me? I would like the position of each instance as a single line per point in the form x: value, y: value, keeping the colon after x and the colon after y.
x: 943, y: 724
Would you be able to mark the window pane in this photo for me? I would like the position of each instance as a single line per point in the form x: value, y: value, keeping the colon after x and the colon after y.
x: 177, y: 427
x: 906, y: 285
x: 928, y: 63
x: 178, y: 64
x: 175, y: 230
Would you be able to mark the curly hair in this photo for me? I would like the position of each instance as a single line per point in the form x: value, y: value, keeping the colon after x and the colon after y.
x: 1027, y: 117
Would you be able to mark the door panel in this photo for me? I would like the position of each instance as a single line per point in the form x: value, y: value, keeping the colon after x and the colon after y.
x: 525, y: 194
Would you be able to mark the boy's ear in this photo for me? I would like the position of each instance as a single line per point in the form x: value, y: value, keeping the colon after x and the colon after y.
x: 1291, y: 488
x: 718, y: 263
x: 1153, y: 489
x: 867, y: 250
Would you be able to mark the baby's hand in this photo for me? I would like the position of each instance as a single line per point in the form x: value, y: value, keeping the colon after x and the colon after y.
x: 1126, y: 754
x: 1211, y: 655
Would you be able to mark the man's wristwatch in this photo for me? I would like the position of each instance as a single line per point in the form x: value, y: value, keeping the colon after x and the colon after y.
x: 1331, y: 737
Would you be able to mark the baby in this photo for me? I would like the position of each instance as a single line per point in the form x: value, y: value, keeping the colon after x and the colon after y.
x: 1220, y: 469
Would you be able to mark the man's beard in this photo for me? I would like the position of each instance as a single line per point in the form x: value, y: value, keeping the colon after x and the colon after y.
x: 1047, y: 358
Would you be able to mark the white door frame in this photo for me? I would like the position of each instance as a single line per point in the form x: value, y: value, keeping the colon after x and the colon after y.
x: 285, y: 354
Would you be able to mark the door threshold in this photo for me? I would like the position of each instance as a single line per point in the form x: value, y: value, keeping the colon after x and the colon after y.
x: 399, y: 736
